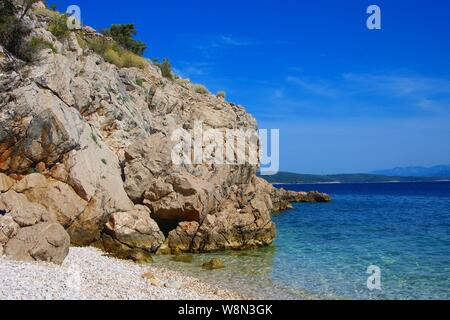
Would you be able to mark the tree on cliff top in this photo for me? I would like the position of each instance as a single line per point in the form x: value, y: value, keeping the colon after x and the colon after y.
x: 123, y: 34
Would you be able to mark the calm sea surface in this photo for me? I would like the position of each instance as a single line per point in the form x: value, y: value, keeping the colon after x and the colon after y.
x: 324, y: 250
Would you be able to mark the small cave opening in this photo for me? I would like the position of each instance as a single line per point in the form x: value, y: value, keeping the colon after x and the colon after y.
x: 167, y: 225
x: 169, y: 220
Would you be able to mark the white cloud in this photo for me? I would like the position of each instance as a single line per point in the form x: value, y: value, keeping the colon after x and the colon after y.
x: 427, y: 93
x: 229, y: 41
x: 319, y: 87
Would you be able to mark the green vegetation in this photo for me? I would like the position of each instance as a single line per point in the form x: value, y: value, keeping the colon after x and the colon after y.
x: 199, y: 88
x: 34, y: 46
x: 94, y: 137
x: 26, y: 6
x: 12, y: 29
x: 221, y: 94
x: 58, y: 26
x: 183, y: 82
x: 140, y: 82
x: 104, y: 162
x: 165, y: 67
x: 113, y: 53
x: 58, y: 22
x: 49, y: 13
x: 81, y: 42
x: 288, y: 177
x: 31, y: 170
x: 123, y: 34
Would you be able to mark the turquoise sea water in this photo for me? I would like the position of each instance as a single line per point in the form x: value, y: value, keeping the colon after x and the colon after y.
x: 324, y: 250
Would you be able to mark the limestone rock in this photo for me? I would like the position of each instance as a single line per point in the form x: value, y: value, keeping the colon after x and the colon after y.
x: 5, y: 182
x: 180, y: 239
x: 123, y: 251
x: 21, y: 210
x: 135, y: 229
x: 313, y: 196
x: 59, y: 199
x: 42, y: 242
x: 99, y: 137
x: 8, y: 229
x: 87, y: 228
x: 95, y: 168
x: 164, y: 249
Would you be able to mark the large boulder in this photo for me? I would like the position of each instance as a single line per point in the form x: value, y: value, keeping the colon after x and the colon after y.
x: 24, y: 212
x: 36, y: 127
x: 135, y: 229
x: 42, y: 242
x: 58, y: 198
x: 242, y: 221
x: 5, y: 182
x: 8, y: 229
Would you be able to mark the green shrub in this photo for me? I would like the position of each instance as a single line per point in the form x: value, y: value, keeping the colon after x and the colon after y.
x: 131, y: 60
x: 13, y: 32
x: 50, y: 14
x: 81, y: 42
x: 199, y: 88
x: 115, y: 54
x: 183, y: 82
x: 165, y: 67
x: 123, y: 34
x: 112, y: 57
x: 140, y: 82
x: 99, y: 45
x: 39, y: 44
x: 33, y: 47
x: 58, y: 26
x: 221, y: 94
x: 12, y: 29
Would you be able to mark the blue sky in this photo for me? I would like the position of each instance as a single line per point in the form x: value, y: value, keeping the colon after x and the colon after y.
x: 346, y: 99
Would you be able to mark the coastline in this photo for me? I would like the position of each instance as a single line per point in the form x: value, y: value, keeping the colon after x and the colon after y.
x: 275, y: 184
x: 90, y: 274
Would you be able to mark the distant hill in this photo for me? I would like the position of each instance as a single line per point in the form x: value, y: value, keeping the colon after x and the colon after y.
x: 436, y: 171
x: 289, y: 177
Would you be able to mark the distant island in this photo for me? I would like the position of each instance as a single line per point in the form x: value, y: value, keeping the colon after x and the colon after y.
x: 436, y: 171
x: 291, y: 178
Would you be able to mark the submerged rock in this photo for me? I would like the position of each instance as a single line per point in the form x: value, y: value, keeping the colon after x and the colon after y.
x: 214, y: 263
x: 122, y: 251
x: 185, y: 258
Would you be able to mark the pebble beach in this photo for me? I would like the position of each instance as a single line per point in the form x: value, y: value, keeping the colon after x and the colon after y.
x: 90, y: 274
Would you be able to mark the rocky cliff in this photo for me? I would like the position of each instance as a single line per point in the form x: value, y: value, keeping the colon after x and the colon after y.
x: 85, y: 158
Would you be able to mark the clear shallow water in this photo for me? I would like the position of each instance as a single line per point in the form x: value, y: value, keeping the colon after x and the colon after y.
x: 323, y: 250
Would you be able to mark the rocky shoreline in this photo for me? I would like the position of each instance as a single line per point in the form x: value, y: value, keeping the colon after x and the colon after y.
x: 86, y: 154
